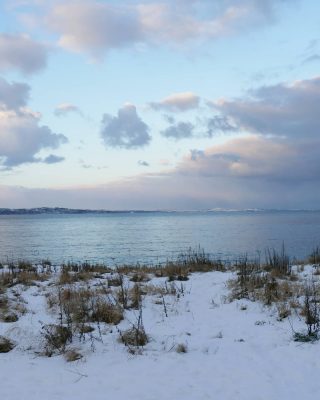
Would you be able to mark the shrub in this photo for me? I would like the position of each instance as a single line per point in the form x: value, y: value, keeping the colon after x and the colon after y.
x: 278, y: 262
x: 181, y: 348
x: 135, y: 297
x: 107, y: 312
x: 135, y: 337
x: 302, y: 337
x: 72, y: 355
x: 5, y: 345
x: 314, y: 257
x: 312, y: 310
x: 10, y: 317
x: 81, y: 306
x: 140, y: 277
x: 83, y: 329
x: 56, y: 338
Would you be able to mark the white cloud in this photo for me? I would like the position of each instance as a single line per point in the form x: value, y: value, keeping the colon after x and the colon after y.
x: 95, y: 27
x: 177, y: 102
x: 66, y: 108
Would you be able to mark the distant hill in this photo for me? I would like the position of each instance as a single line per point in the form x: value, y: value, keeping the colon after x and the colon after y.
x: 61, y: 210
x: 50, y: 210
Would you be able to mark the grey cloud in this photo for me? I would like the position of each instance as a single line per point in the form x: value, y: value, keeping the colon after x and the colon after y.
x: 126, y: 130
x: 177, y: 102
x: 22, y: 138
x: 252, y: 171
x: 13, y: 95
x: 180, y: 130
x: 219, y: 124
x: 169, y: 118
x: 310, y: 59
x: 282, y: 110
x: 143, y: 163
x: 258, y: 158
x: 22, y: 53
x: 53, y: 159
x: 195, y: 154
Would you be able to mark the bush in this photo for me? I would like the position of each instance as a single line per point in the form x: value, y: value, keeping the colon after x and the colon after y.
x: 181, y: 348
x: 314, y: 257
x: 304, y: 337
x: 72, y: 355
x: 135, y: 337
x: 278, y: 262
x: 56, y: 338
x: 5, y: 345
x: 81, y: 306
x: 312, y: 310
x: 107, y: 312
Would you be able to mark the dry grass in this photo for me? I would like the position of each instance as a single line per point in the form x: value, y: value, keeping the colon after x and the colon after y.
x: 314, y: 257
x: 140, y: 276
x: 134, y: 336
x: 56, y: 338
x: 85, y: 305
x: 72, y: 355
x: 135, y: 297
x: 22, y: 276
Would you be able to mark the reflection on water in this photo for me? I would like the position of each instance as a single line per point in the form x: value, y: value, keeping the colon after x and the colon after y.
x: 154, y: 237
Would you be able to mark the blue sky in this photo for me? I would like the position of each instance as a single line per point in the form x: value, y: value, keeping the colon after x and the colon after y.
x: 155, y: 104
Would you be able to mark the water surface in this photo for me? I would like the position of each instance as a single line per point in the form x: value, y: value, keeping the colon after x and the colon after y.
x: 153, y: 237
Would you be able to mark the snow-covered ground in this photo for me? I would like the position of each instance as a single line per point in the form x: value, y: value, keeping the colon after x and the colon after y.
x: 235, y: 350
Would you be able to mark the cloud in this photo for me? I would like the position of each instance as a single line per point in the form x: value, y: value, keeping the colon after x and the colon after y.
x: 179, y: 130
x: 143, y: 163
x: 95, y: 27
x: 246, y: 172
x: 66, y: 108
x: 126, y: 130
x: 21, y: 135
x: 13, y: 95
x: 21, y: 53
x: 289, y: 110
x: 312, y: 58
x: 252, y: 157
x: 53, y: 159
x: 177, y: 102
x: 219, y: 124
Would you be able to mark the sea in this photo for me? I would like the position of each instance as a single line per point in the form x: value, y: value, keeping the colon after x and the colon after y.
x: 155, y: 237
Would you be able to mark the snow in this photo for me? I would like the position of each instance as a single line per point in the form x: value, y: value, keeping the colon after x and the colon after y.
x: 235, y: 350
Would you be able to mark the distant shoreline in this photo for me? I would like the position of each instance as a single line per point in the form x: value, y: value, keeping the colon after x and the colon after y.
x: 76, y: 211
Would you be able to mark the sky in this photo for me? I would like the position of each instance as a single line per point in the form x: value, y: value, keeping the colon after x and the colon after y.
x: 158, y: 104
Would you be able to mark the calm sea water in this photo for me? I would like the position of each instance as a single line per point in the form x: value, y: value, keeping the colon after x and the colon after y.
x: 153, y: 237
